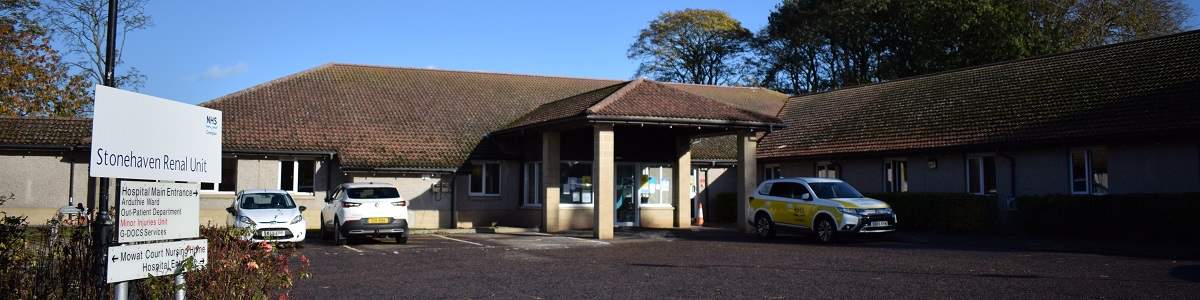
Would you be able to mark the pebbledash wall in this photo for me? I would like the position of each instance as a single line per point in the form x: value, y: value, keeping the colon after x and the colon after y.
x: 42, y: 182
x: 1171, y: 166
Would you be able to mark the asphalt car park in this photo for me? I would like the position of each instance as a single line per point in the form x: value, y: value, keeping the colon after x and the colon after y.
x: 724, y: 264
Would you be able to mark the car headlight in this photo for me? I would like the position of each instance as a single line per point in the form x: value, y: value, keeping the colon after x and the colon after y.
x: 297, y: 219
x: 246, y: 220
x: 865, y: 211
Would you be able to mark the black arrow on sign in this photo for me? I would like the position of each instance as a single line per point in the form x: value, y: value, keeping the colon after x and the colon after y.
x: 114, y: 258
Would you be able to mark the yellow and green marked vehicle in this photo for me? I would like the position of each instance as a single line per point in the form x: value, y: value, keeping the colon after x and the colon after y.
x: 826, y: 207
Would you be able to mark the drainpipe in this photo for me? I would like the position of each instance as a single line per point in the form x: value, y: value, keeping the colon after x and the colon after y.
x: 453, y: 198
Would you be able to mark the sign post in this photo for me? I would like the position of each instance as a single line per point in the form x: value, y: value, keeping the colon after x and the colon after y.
x: 136, y: 136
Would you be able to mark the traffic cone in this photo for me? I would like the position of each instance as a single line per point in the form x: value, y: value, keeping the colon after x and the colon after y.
x: 700, y: 214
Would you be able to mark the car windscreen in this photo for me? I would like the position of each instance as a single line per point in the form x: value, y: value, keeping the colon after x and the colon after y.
x: 372, y: 193
x: 267, y: 201
x: 830, y: 190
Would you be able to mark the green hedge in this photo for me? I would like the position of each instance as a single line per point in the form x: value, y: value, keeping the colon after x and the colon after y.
x: 1128, y: 216
x: 942, y: 212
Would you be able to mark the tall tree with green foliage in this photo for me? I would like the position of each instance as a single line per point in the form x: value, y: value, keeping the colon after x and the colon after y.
x: 33, y: 79
x: 692, y: 46
x: 815, y: 45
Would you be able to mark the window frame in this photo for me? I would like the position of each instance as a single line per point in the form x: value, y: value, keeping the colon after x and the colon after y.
x: 217, y: 186
x: 532, y: 174
x: 775, y: 169
x: 827, y: 166
x: 890, y: 170
x: 1089, y: 173
x: 295, y: 176
x: 982, y: 173
x: 483, y: 179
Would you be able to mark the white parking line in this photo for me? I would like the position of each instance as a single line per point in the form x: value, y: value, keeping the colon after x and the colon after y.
x: 352, y: 248
x: 458, y: 240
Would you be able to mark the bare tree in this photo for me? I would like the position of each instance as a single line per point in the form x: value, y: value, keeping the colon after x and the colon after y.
x: 81, y: 24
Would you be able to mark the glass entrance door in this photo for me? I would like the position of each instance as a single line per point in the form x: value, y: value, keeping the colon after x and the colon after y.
x: 626, y: 205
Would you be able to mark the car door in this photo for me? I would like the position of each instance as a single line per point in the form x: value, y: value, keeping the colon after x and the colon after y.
x: 784, y: 203
x: 807, y: 207
x: 331, y: 204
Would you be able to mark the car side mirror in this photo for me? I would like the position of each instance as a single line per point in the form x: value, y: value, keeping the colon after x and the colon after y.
x: 806, y: 197
x: 302, y: 208
x: 328, y: 199
x: 230, y: 210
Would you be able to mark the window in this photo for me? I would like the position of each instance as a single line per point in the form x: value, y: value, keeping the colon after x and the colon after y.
x: 834, y: 190
x: 372, y: 193
x: 533, y: 184
x: 654, y: 186
x: 1089, y: 171
x: 267, y: 201
x: 485, y: 179
x: 826, y: 169
x: 981, y: 175
x: 575, y: 179
x: 895, y: 175
x: 228, y: 177
x: 790, y: 190
x: 296, y: 175
x: 772, y: 171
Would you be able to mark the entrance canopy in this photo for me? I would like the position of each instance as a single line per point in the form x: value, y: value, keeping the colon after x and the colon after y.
x: 620, y: 131
x: 642, y: 102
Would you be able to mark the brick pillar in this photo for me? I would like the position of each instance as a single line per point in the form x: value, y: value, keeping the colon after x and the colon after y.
x: 746, y: 177
x: 550, y: 185
x: 602, y: 182
x: 682, y: 173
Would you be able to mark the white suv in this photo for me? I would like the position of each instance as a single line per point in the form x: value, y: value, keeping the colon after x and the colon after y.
x: 364, y: 210
x: 827, y: 207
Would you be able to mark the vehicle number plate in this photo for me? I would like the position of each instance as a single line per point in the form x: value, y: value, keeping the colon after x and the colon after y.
x: 879, y: 223
x: 377, y: 220
x: 274, y: 233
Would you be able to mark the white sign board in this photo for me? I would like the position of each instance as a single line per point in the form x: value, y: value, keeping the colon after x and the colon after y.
x: 152, y: 211
x: 130, y: 262
x: 144, y: 137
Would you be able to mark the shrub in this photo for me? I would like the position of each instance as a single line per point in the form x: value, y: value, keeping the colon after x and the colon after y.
x: 1126, y: 216
x: 55, y: 262
x: 942, y: 212
x: 237, y: 269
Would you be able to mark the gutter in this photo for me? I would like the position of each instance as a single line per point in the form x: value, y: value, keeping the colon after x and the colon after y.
x: 37, y: 147
x: 400, y: 170
x: 663, y: 121
x: 329, y: 154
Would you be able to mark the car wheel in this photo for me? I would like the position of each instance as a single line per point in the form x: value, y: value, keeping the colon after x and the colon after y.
x: 338, y: 238
x: 763, y: 226
x: 825, y: 231
x: 400, y: 239
x: 324, y: 230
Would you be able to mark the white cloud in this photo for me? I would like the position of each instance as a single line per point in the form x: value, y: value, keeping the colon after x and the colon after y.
x: 220, y: 72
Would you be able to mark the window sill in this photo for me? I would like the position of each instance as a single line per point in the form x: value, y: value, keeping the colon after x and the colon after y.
x: 531, y: 207
x: 484, y: 195
x: 656, y: 206
x: 575, y: 205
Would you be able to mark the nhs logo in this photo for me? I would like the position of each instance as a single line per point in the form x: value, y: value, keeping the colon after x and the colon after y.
x: 212, y: 125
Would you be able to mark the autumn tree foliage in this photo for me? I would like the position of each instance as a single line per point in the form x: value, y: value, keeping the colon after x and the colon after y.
x: 33, y: 79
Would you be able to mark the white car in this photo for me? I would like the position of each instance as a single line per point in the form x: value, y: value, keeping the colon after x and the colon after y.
x: 364, y: 210
x: 269, y: 215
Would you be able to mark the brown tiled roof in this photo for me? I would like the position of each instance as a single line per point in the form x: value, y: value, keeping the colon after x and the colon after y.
x: 1148, y: 86
x: 641, y: 98
x: 388, y: 117
x: 45, y: 132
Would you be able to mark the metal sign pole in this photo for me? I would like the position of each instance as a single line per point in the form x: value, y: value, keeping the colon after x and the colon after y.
x: 102, y: 226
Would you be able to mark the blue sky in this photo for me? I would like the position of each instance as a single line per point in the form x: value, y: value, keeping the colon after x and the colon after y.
x: 199, y: 50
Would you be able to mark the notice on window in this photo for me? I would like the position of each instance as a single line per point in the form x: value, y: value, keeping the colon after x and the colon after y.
x: 152, y: 211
